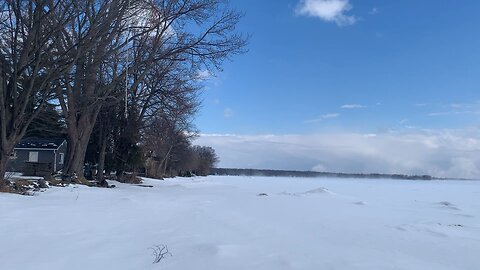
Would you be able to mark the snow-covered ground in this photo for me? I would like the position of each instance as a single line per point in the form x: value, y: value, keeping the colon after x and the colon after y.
x: 221, y: 223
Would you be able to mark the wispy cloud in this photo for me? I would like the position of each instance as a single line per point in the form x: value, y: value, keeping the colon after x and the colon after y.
x: 352, y: 106
x: 330, y: 115
x: 228, y: 113
x: 439, y: 113
x: 327, y: 10
x: 447, y: 153
x: 464, y: 106
x: 454, y: 112
x: 374, y: 11
x: 457, y: 109
x: 322, y: 117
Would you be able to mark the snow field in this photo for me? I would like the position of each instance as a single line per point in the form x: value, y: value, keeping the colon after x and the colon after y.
x: 222, y: 223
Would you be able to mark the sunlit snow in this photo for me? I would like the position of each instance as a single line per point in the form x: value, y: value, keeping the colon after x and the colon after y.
x: 246, y: 223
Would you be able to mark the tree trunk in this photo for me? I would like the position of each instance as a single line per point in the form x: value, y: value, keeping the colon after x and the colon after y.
x: 101, y: 157
x: 3, y: 170
x: 165, y: 162
x: 6, y: 148
x: 76, y: 157
x: 78, y: 142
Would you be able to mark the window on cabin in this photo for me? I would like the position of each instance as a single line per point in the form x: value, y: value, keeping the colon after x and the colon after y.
x: 33, y: 156
x: 62, y: 158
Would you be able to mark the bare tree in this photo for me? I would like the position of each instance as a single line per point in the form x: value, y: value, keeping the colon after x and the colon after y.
x: 162, y: 108
x: 206, y: 159
x: 168, y: 143
x: 119, y: 42
x: 29, y: 65
x: 95, y: 34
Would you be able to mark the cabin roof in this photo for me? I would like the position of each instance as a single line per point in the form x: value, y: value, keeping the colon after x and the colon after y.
x: 40, y: 143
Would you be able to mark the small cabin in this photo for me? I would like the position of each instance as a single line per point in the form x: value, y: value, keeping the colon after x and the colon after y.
x: 38, y: 156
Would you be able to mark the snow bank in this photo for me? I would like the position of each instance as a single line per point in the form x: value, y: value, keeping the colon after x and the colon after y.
x: 221, y: 223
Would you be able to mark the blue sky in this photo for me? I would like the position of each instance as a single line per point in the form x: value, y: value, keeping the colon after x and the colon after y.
x: 350, y: 66
x: 404, y: 62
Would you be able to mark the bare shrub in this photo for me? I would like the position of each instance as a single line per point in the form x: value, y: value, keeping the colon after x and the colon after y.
x: 159, y: 252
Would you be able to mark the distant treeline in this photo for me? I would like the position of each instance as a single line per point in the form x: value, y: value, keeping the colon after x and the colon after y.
x: 258, y: 172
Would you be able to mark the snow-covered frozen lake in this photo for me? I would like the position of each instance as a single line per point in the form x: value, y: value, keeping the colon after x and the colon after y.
x: 221, y: 223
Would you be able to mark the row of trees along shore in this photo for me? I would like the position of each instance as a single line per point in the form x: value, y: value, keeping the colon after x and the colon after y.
x: 125, y: 74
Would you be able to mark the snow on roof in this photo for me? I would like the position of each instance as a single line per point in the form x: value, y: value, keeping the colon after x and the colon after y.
x: 42, y: 143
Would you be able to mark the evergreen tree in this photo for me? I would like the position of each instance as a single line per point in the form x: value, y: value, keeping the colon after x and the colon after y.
x: 48, y: 124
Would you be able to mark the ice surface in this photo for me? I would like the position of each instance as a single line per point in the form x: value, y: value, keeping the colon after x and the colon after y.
x: 221, y: 223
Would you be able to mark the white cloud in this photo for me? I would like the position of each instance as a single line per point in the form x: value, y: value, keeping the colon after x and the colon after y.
x: 327, y: 10
x: 439, y: 113
x: 352, y: 106
x: 439, y: 153
x: 458, y: 109
x: 374, y: 11
x: 228, y: 113
x: 203, y: 75
x: 330, y: 115
x: 464, y: 106
x: 322, y: 117
x: 455, y: 112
